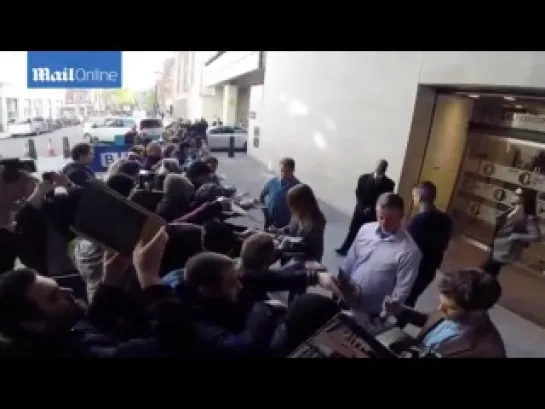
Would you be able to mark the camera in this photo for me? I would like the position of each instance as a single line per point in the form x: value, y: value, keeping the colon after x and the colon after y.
x: 12, y: 167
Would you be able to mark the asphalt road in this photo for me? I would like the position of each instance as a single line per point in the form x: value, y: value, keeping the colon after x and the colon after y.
x: 14, y: 147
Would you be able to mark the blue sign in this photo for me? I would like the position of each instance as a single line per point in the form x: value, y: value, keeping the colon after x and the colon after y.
x: 105, y: 155
x: 74, y: 69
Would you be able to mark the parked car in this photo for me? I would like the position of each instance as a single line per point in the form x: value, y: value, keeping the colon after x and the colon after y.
x: 89, y: 124
x: 111, y: 127
x: 218, y: 137
x: 31, y: 126
x: 151, y: 128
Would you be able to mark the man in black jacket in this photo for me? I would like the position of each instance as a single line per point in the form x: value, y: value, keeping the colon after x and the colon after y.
x: 370, y: 187
x: 230, y: 308
x: 431, y: 229
x: 41, y: 319
x: 131, y: 137
x: 79, y: 171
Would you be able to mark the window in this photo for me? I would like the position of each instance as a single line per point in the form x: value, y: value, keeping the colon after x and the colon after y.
x: 38, y: 119
x: 240, y: 129
x: 151, y: 123
x: 127, y: 123
x: 27, y: 107
x: 228, y: 129
x: 217, y: 130
x: 13, y: 109
x: 493, y: 168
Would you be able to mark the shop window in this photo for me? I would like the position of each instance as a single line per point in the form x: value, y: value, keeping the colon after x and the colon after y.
x: 493, y: 168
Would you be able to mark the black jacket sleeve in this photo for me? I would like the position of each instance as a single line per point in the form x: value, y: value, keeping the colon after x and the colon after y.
x: 361, y: 190
x: 78, y: 176
x: 254, y: 340
x: 202, y: 214
x: 169, y: 324
x: 114, y: 311
x: 31, y: 229
x: 288, y: 278
x: 182, y: 337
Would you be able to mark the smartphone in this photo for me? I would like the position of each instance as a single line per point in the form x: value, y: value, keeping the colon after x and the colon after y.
x: 106, y: 217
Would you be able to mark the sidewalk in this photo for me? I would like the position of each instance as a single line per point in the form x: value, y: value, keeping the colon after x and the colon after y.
x: 522, y: 338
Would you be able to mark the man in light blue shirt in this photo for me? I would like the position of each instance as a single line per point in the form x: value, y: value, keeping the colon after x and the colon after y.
x: 382, y: 262
x: 274, y: 195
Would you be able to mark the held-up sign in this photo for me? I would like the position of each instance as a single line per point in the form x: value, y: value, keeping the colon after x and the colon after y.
x: 107, y: 158
x: 105, y: 155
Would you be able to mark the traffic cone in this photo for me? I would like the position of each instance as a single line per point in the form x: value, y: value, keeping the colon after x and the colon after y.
x: 50, y: 149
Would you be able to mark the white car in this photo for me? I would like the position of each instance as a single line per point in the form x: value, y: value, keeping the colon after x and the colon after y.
x: 90, y: 124
x: 219, y: 136
x: 30, y: 126
x: 151, y: 128
x: 109, y: 129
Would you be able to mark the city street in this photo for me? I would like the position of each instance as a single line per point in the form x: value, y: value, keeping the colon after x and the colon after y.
x: 14, y: 147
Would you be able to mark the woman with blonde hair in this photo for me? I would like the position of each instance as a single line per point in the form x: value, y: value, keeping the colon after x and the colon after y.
x: 307, y: 222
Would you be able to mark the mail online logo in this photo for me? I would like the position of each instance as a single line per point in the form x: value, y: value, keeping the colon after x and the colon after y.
x: 74, y: 69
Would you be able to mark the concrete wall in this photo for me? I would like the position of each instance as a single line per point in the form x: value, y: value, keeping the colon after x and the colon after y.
x: 336, y: 113
x: 243, y: 105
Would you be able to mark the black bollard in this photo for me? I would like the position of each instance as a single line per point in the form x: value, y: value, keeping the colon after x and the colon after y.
x: 231, y: 151
x: 66, y: 147
x: 32, y: 149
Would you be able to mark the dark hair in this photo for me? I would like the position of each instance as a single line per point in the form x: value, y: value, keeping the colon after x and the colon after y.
x: 427, y: 191
x: 80, y: 149
x: 130, y: 167
x: 15, y: 308
x: 288, y: 162
x: 218, y: 237
x: 256, y: 250
x: 392, y: 201
x: 529, y: 199
x: 471, y: 289
x: 212, y: 160
x: 302, y: 198
x: 121, y: 183
x: 206, y: 269
x: 198, y: 169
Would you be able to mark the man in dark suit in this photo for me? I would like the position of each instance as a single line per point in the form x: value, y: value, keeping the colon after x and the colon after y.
x: 431, y: 229
x: 370, y: 187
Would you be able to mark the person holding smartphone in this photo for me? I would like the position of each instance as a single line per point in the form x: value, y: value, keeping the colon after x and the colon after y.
x: 461, y: 328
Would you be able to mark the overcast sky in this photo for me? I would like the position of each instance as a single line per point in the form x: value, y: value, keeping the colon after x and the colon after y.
x: 139, y: 68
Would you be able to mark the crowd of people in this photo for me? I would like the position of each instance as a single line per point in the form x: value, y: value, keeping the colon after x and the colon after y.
x: 204, y: 285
